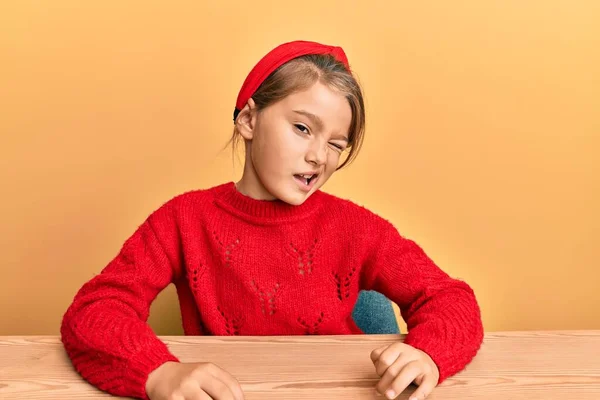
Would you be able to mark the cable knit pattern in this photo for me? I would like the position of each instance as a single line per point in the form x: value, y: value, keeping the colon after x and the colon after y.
x: 253, y: 267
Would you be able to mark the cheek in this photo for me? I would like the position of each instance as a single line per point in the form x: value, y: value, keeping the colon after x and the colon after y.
x: 276, y: 148
x: 290, y: 147
x: 333, y: 159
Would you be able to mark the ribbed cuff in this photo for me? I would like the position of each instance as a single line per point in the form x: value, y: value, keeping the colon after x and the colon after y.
x: 139, y: 369
x: 449, y: 357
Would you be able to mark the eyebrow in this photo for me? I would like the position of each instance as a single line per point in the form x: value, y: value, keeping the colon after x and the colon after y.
x: 319, y: 123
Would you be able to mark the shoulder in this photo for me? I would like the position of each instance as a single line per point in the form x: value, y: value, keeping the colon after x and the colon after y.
x: 354, y: 212
x: 188, y: 201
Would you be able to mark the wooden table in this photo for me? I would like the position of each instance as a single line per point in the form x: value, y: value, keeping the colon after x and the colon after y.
x: 511, y: 365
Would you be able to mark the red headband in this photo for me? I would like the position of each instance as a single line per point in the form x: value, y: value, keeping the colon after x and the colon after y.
x: 277, y: 57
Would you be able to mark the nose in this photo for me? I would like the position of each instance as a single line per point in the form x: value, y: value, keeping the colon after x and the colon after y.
x: 317, y: 153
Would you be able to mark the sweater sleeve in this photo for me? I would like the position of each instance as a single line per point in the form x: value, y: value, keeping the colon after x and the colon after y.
x: 105, y: 331
x: 441, y: 313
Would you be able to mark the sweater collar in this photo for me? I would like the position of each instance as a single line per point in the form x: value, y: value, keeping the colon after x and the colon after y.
x: 264, y: 211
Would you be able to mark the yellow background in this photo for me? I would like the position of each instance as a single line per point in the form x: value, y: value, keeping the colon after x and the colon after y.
x: 482, y: 138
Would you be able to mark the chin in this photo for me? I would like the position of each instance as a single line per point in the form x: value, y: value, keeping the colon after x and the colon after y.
x: 294, y: 199
x: 290, y: 194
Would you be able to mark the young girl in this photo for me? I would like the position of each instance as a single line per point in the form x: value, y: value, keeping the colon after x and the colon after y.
x: 272, y: 254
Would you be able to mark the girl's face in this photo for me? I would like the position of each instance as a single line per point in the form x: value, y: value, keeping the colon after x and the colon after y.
x: 294, y: 145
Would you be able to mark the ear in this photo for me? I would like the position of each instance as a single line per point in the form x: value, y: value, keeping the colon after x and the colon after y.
x: 246, y: 120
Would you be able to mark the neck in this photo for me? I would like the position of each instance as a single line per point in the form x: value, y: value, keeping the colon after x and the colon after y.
x: 250, y: 185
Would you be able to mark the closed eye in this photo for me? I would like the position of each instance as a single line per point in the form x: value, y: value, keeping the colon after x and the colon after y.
x: 337, y: 146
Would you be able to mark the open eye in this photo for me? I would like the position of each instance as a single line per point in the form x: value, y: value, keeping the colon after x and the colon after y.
x: 301, y: 128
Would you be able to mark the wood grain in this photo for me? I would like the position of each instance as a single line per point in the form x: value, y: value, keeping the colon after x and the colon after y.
x: 510, y: 365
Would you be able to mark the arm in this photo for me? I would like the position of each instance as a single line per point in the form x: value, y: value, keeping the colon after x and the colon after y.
x: 441, y: 313
x: 104, y: 331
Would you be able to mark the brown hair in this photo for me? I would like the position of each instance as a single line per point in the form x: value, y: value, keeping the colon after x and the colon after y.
x: 301, y: 73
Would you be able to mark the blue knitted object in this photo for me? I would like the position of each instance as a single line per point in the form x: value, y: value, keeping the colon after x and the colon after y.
x: 373, y: 313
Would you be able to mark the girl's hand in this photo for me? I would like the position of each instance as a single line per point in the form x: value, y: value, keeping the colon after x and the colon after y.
x: 198, y: 381
x: 399, y: 365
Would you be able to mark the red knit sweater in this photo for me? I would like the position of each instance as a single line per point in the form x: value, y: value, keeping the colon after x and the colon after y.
x: 252, y: 267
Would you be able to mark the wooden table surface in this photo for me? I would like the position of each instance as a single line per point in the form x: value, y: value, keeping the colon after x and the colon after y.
x: 510, y: 365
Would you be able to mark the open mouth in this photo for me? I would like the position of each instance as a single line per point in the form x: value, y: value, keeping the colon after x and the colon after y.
x: 306, y: 179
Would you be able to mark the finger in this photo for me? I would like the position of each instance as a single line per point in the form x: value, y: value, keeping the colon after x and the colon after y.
x: 387, y: 358
x: 392, y: 372
x: 191, y: 391
x: 217, y: 389
x: 231, y: 382
x: 377, y: 352
x: 425, y: 388
x: 200, y: 395
x: 408, y: 374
